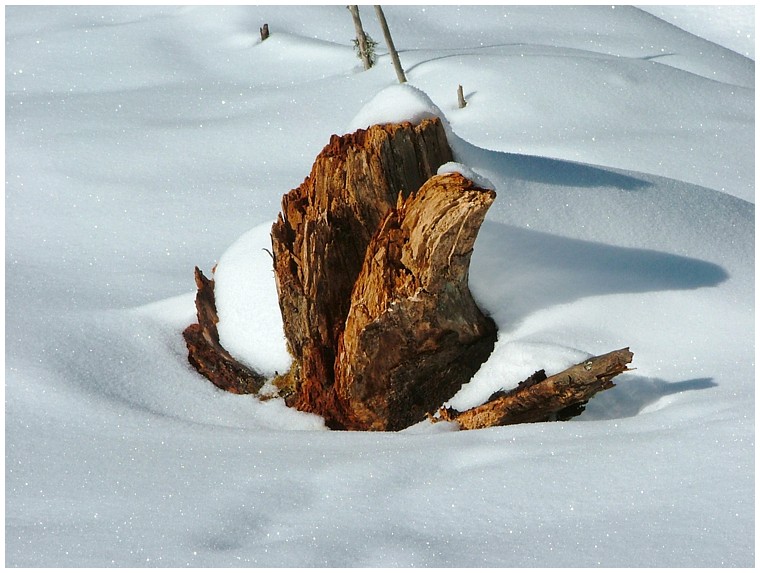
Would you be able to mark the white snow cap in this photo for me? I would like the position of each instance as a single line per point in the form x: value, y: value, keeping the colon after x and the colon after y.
x: 402, y: 102
x: 471, y: 174
x: 395, y: 104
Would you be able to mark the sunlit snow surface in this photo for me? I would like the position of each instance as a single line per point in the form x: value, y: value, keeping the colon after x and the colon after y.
x: 143, y: 141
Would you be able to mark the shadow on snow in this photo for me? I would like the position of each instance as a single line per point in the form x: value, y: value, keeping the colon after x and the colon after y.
x: 634, y: 393
x: 548, y: 171
x: 516, y: 271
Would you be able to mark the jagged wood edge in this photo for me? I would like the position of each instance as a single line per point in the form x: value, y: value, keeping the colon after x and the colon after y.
x: 206, y: 353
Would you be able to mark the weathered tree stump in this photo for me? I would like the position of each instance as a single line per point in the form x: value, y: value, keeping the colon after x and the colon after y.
x: 371, y: 258
x: 320, y: 244
x: 413, y: 333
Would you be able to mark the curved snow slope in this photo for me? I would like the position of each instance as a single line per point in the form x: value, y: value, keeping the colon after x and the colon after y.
x: 141, y: 141
x: 606, y: 110
x: 730, y: 26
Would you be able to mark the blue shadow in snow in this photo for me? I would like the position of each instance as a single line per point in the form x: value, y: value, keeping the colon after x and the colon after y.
x: 517, y: 271
x: 544, y: 170
x: 560, y: 172
x: 632, y: 394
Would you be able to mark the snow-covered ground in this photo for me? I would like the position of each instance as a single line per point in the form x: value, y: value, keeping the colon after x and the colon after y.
x: 142, y: 141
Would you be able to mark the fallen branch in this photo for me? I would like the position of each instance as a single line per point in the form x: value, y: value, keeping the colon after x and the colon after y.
x: 541, y: 399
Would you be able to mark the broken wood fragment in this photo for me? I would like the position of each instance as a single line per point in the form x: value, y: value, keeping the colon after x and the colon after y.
x: 542, y: 399
x: 206, y: 353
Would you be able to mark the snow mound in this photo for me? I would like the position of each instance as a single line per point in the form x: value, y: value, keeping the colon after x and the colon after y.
x: 250, y: 325
x: 515, y: 360
x: 396, y: 104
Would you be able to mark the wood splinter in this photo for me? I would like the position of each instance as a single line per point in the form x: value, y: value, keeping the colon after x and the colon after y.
x: 206, y: 353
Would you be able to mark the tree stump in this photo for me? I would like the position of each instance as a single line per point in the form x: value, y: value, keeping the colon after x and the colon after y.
x: 413, y: 333
x: 340, y: 233
x: 371, y: 259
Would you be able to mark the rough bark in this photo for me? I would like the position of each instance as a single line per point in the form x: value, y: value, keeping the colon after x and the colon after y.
x: 414, y: 334
x: 321, y: 237
x: 205, y: 352
x: 541, y: 399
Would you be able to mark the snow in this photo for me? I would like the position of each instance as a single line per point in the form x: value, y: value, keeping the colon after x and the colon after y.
x: 621, y: 148
x: 475, y: 177
x: 395, y: 104
x: 729, y: 26
x: 246, y: 298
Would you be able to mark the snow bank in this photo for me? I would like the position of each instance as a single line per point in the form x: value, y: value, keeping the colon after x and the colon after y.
x: 727, y: 25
